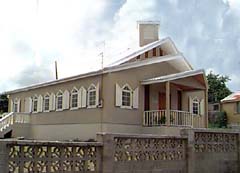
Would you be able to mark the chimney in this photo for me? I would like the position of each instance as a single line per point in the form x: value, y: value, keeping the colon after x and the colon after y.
x: 148, y: 32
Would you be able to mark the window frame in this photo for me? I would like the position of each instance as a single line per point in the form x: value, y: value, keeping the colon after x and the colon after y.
x: 73, y: 93
x: 59, y: 95
x: 44, y: 102
x: 92, y: 89
x: 34, y: 100
x: 196, y: 104
x: 15, y: 105
x: 129, y: 90
x: 238, y: 107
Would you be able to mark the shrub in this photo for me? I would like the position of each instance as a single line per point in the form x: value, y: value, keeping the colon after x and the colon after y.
x: 222, y: 119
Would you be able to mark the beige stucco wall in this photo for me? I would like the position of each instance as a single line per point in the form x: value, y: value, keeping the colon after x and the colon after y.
x: 233, y: 116
x: 84, y: 123
x: 116, y: 115
x: 187, y: 94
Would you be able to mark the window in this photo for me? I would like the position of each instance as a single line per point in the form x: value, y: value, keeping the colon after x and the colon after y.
x: 126, y: 96
x: 195, y: 106
x: 160, y: 51
x: 238, y: 107
x: 216, y: 107
x: 46, y: 103
x: 15, y: 107
x: 59, y: 101
x: 35, y: 104
x: 92, y: 96
x: 146, y: 54
x: 154, y: 52
x: 74, y: 98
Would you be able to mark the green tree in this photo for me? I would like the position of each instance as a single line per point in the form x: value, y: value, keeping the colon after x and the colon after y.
x: 3, y: 103
x: 217, y: 87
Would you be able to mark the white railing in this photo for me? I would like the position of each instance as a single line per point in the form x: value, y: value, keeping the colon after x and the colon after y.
x: 13, y: 118
x: 154, y: 118
x: 177, y: 118
x: 181, y: 118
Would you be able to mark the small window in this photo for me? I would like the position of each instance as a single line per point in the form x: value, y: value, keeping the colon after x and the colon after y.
x: 126, y: 96
x: 15, y: 107
x: 74, y: 98
x: 238, y: 107
x: 146, y: 54
x: 35, y: 103
x: 46, y: 103
x: 216, y: 107
x: 196, y: 106
x: 59, y: 101
x: 160, y: 51
x: 92, y: 96
x: 154, y: 52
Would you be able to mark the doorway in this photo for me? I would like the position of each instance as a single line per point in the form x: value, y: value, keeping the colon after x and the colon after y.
x: 162, y: 101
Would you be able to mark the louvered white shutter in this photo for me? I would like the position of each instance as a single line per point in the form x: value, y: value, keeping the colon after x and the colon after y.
x: 66, y: 99
x: 28, y: 105
x: 52, y: 102
x: 39, y: 104
x: 97, y: 94
x: 202, y: 107
x: 84, y: 97
x: 11, y: 106
x: 190, y: 104
x: 18, y: 105
x: 118, y: 95
x: 80, y: 97
x: 135, y: 98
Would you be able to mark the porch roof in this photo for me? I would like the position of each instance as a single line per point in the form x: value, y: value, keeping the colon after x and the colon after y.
x: 199, y: 75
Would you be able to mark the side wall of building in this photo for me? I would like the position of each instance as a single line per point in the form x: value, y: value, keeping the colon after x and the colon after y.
x: 233, y: 116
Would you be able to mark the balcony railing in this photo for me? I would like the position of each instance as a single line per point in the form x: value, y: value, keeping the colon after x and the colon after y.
x: 177, y: 118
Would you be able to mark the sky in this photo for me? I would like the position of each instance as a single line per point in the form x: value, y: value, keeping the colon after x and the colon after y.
x: 36, y: 33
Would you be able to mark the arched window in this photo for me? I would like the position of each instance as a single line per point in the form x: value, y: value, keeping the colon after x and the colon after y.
x: 46, y: 103
x: 74, y: 98
x: 126, y: 96
x: 196, y: 106
x: 59, y: 100
x: 35, y: 103
x: 92, y: 96
x: 16, y: 105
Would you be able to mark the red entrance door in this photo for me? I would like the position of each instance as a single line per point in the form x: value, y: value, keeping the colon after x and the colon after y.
x: 162, y: 101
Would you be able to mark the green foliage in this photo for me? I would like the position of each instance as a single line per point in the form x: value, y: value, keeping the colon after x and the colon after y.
x: 3, y: 103
x: 217, y: 87
x: 163, y: 120
x: 221, y: 120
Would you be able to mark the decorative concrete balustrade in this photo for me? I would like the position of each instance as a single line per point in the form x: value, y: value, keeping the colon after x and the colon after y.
x: 39, y: 156
x: 195, y: 151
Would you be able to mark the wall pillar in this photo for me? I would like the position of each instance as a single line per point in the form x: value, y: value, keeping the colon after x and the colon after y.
x: 189, y: 134
x: 108, y: 152
x: 168, y: 103
x: 206, y: 108
x: 3, y: 156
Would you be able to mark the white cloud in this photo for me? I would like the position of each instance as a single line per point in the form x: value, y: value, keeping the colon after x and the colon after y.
x: 70, y: 31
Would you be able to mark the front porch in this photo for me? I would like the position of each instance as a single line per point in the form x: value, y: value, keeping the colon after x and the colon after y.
x: 178, y: 100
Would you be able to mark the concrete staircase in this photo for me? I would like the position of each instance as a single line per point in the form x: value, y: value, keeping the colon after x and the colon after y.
x: 10, y: 119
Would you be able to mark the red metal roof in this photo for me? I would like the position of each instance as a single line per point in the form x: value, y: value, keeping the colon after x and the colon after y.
x: 232, y: 97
